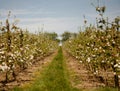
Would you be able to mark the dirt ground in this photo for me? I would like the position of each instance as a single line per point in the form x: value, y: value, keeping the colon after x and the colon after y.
x: 27, y: 75
x: 79, y: 76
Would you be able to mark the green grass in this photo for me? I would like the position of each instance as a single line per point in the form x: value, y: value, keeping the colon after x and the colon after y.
x: 53, y: 78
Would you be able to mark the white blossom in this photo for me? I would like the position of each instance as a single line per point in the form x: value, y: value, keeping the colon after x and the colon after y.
x: 112, y: 63
x: 117, y: 55
x: 108, y: 44
x: 69, y: 41
x: 119, y: 76
x: 21, y: 49
x: 93, y: 55
x: 88, y: 44
x: 88, y: 59
x: 103, y: 61
x: 21, y: 60
x: 2, y: 52
x: 103, y: 50
x: 116, y: 65
x: 3, y: 63
x: 95, y: 49
x: 10, y: 61
x: 13, y: 66
x: 27, y: 47
x: 30, y: 63
x: 4, y: 67
x: 114, y: 73
x: 92, y: 45
x: 109, y: 36
x: 31, y: 57
x: 76, y: 57
x: 80, y: 61
x: 100, y: 47
x: 12, y: 55
x: 79, y: 45
x: 113, y: 41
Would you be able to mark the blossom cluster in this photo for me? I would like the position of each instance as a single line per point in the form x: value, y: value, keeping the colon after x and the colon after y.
x: 23, y: 51
x: 97, y: 49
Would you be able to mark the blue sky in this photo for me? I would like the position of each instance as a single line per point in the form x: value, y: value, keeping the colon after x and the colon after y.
x: 56, y: 15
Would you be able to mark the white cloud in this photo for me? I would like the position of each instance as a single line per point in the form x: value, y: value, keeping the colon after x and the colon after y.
x: 52, y: 24
x: 16, y: 12
x: 58, y: 25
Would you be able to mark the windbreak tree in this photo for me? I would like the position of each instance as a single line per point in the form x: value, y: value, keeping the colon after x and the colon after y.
x: 68, y: 35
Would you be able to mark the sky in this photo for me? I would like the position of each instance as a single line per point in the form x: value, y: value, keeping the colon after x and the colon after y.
x: 56, y: 15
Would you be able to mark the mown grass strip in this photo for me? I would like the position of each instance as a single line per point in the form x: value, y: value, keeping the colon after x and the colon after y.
x: 53, y: 78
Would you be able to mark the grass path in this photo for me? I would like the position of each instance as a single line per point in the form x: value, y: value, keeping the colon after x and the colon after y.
x: 54, y: 77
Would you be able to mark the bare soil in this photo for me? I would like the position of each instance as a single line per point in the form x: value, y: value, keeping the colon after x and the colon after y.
x: 27, y: 75
x: 79, y: 76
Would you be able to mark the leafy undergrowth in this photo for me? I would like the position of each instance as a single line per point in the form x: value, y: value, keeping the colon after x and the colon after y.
x: 53, y: 78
